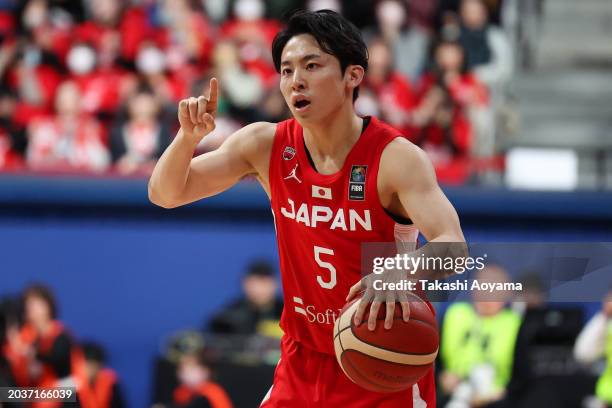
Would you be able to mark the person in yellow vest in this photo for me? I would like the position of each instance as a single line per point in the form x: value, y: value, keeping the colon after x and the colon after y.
x: 477, y: 346
x: 595, y: 342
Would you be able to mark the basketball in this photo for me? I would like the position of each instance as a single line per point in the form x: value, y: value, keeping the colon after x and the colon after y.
x: 387, y: 360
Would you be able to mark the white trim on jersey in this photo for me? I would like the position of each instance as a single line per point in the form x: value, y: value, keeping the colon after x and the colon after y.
x: 267, y: 396
x: 417, y: 401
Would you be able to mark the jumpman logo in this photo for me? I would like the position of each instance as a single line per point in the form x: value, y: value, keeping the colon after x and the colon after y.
x: 293, y: 174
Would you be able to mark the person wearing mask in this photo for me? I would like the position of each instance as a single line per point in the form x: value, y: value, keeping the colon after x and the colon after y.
x: 196, y: 390
x: 68, y: 140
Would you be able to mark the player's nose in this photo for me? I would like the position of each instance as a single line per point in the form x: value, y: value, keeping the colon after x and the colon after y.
x: 297, y: 82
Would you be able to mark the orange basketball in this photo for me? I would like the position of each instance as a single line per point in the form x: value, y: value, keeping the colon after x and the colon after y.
x: 387, y: 360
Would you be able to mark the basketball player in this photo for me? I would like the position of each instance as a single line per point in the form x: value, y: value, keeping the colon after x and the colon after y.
x: 334, y: 180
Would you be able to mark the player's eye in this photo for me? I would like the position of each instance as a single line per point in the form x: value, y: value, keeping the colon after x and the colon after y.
x: 311, y: 66
x: 285, y: 71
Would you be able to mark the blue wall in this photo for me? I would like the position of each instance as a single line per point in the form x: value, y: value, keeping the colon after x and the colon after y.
x: 128, y: 275
x: 130, y: 284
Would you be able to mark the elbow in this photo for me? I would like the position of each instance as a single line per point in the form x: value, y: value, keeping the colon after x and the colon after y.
x: 156, y: 198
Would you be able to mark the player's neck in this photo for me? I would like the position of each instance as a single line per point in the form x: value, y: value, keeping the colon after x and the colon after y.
x: 335, y: 136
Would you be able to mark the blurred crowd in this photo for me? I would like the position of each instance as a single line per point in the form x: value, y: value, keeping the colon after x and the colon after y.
x: 497, y: 351
x: 38, y: 350
x: 93, y: 86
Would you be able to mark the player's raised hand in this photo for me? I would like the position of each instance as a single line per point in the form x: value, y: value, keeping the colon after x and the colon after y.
x: 378, y: 295
x: 197, y: 115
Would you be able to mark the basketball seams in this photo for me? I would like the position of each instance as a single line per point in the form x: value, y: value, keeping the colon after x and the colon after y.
x: 355, y: 359
x: 340, y: 331
x: 352, y: 327
x: 347, y: 360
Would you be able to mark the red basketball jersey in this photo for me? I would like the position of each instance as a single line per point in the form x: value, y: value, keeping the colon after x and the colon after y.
x: 321, y: 222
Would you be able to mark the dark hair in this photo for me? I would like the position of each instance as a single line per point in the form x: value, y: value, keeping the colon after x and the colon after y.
x: 261, y: 268
x: 335, y: 35
x: 43, y: 292
x: 93, y: 352
x: 436, y: 69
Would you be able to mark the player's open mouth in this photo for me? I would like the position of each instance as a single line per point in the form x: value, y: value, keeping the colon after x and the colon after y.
x: 301, y: 105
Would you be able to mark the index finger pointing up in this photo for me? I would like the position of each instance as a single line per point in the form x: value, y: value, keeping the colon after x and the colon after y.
x: 212, y: 96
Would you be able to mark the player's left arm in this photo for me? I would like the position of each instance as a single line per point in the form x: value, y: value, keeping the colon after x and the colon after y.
x: 407, y: 186
x: 407, y: 175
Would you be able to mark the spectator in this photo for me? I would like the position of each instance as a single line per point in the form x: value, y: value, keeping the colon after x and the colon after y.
x: 252, y: 33
x: 258, y: 311
x: 98, y: 386
x: 488, y: 51
x: 47, y: 27
x: 165, y: 380
x: 40, y: 353
x: 196, y: 390
x: 152, y: 66
x: 12, y: 139
x: 69, y: 140
x: 102, y: 25
x: 6, y: 320
x: 489, y: 56
x: 595, y: 343
x: 139, y: 141
x: 191, y: 36
x: 392, y: 92
x: 544, y: 327
x: 409, y: 42
x: 100, y: 82
x: 243, y: 90
x: 477, y: 346
x: 34, y: 83
x: 447, y: 95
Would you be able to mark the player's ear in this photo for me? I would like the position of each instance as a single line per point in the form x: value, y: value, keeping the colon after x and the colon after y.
x: 354, y: 75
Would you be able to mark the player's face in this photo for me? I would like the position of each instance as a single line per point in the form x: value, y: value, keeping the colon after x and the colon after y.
x: 311, y: 82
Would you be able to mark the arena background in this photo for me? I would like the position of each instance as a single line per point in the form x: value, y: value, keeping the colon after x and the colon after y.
x: 128, y: 275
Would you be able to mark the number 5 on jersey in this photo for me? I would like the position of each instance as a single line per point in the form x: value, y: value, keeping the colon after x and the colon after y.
x: 325, y: 265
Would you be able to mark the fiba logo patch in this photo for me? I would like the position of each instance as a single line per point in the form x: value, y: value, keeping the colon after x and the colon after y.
x: 288, y: 153
x: 357, y: 181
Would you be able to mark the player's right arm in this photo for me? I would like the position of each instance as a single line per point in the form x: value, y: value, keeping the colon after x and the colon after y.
x: 179, y: 178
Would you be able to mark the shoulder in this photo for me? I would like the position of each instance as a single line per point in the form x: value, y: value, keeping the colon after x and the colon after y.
x: 258, y: 131
x: 459, y: 310
x: 255, y: 137
x: 403, y: 163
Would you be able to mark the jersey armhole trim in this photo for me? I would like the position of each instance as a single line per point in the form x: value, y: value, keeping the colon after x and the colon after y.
x: 272, y: 171
x: 398, y: 219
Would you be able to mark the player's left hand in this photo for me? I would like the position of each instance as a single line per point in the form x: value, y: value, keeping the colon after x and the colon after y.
x: 378, y: 297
